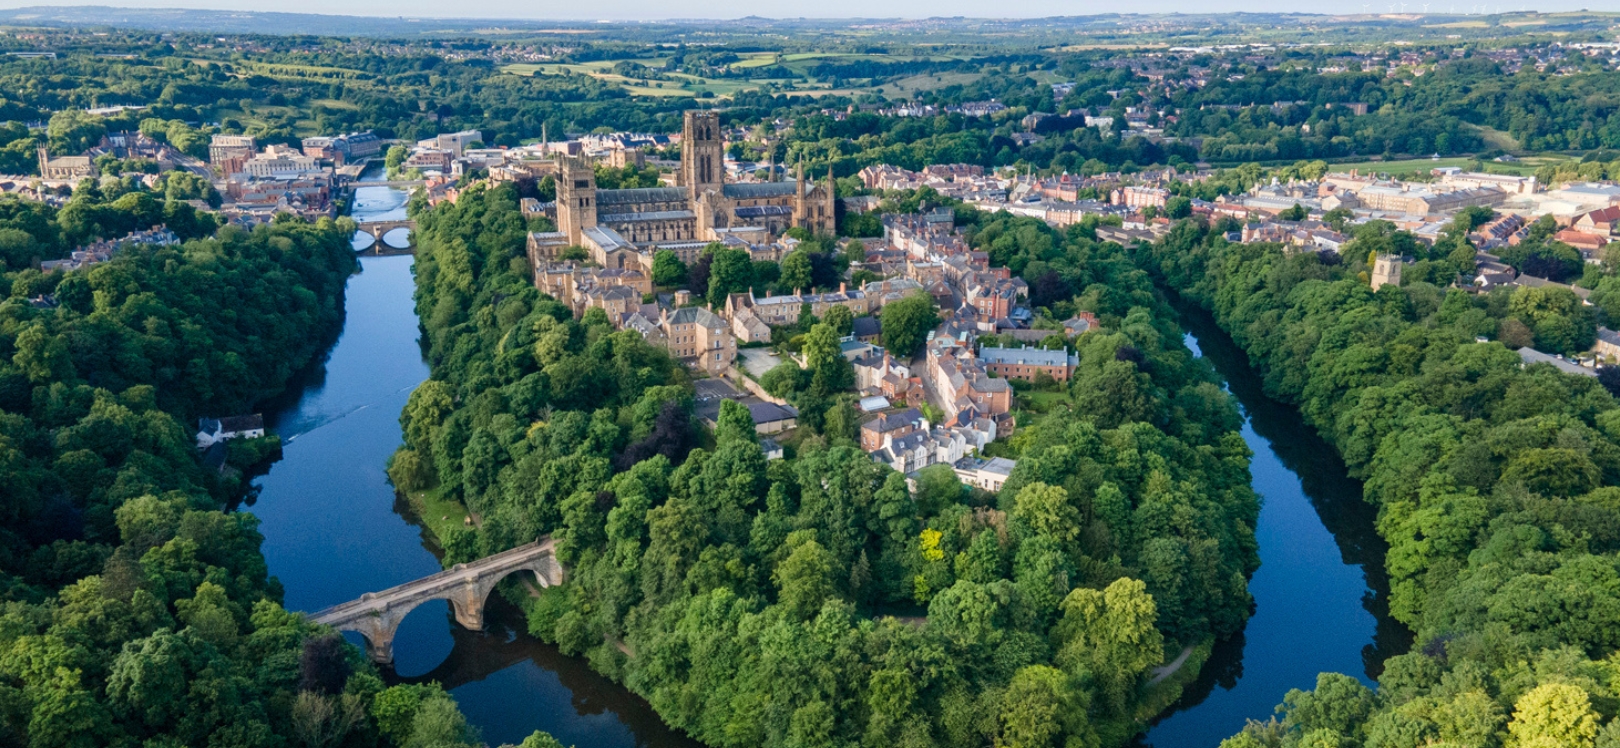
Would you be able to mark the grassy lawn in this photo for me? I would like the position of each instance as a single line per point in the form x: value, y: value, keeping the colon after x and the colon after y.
x: 669, y: 90
x: 802, y: 63
x: 1041, y: 402
x: 913, y: 84
x: 437, y: 513
x: 1498, y: 139
x: 755, y: 60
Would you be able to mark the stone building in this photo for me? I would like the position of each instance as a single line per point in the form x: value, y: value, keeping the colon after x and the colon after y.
x: 65, y: 167
x: 1024, y: 363
x: 227, y: 153
x: 700, y: 338
x: 702, y: 208
x: 1386, y: 271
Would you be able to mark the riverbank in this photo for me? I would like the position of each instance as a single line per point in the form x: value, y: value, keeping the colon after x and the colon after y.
x: 334, y: 528
x: 1320, y: 595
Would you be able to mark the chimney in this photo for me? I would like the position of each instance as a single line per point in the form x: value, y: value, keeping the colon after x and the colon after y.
x: 843, y: 287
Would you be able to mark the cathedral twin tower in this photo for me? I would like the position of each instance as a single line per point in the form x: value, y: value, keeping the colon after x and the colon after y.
x: 702, y: 208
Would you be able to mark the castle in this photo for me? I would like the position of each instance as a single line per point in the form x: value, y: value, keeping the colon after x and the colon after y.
x: 616, y: 225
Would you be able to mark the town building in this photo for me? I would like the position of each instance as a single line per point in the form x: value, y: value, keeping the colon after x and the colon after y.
x: 102, y: 251
x: 278, y: 160
x: 65, y: 167
x: 211, y: 431
x: 1026, y: 362
x: 227, y: 153
x: 456, y: 142
x: 1423, y: 202
x: 989, y: 475
x: 701, y: 338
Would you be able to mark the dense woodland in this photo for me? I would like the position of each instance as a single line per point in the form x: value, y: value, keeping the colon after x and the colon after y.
x: 1495, y: 485
x: 134, y: 609
x: 287, y: 90
x: 815, y: 600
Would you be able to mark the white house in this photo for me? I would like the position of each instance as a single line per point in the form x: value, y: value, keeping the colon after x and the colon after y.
x: 211, y: 431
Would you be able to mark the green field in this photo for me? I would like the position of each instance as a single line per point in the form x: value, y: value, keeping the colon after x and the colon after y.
x: 683, y: 85
x: 755, y: 60
x: 801, y: 63
x: 906, y: 87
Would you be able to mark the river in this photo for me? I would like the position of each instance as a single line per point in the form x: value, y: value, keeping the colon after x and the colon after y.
x: 334, y: 530
x: 1320, y: 595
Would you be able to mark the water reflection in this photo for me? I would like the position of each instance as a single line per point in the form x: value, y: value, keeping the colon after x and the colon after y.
x: 1321, y: 591
x: 334, y: 529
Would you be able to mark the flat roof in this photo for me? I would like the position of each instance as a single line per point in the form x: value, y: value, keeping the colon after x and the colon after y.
x: 1533, y: 356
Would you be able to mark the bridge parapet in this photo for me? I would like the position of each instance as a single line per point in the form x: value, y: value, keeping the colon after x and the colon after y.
x: 377, y: 229
x: 377, y: 615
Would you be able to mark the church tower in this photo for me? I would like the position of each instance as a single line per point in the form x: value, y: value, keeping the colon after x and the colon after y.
x: 576, y: 197
x: 1386, y: 271
x: 815, y: 205
x: 703, y: 159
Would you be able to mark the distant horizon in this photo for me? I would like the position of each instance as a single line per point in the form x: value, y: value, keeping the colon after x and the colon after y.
x: 678, y: 11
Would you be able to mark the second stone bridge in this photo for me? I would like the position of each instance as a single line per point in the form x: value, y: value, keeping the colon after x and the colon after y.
x: 376, y: 615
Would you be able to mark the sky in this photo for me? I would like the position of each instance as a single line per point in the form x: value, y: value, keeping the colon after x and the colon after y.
x: 623, y: 10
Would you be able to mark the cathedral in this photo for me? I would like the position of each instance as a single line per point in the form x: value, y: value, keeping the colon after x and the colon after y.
x: 702, y: 208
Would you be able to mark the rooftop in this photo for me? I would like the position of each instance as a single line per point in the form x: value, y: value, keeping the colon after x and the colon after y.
x: 640, y: 195
x: 1533, y: 356
x: 755, y: 190
x: 1027, y: 356
x: 647, y: 215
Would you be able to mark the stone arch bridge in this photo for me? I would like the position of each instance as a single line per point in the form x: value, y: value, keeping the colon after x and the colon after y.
x: 376, y: 615
x: 379, y: 228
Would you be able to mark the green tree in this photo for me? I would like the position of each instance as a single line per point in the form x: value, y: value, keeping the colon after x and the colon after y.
x: 830, y: 372
x: 667, y: 269
x: 907, y: 322
x: 1045, y: 510
x: 841, y: 319
x: 730, y: 272
x: 438, y: 724
x: 73, y: 131
x: 796, y: 270
x: 1112, y: 636
x: 734, y: 423
x: 804, y: 579
x: 1039, y: 709
x: 1554, y: 714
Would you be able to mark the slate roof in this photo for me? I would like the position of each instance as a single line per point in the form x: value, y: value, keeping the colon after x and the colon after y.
x: 757, y: 190
x: 647, y: 215
x: 761, y: 211
x: 640, y: 195
x: 698, y: 315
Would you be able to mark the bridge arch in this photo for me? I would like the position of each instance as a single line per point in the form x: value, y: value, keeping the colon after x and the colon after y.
x: 378, y: 229
x: 377, y: 615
